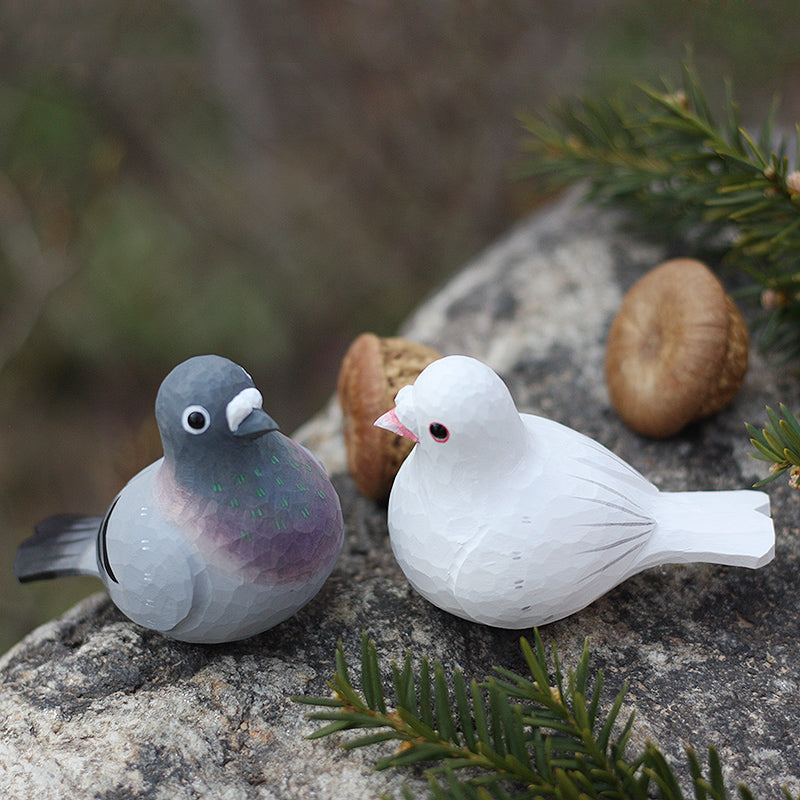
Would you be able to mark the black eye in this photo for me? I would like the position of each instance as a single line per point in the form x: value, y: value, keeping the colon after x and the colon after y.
x: 195, y: 419
x: 439, y: 432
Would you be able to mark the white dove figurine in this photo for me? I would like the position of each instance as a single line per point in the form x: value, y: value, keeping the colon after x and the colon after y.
x: 514, y: 520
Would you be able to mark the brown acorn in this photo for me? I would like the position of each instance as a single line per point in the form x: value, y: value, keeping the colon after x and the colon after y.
x: 677, y: 350
x: 373, y: 371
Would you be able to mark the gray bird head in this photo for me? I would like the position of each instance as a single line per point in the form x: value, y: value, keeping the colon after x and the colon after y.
x: 208, y: 403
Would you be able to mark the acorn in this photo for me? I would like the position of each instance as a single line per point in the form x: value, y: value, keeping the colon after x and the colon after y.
x: 677, y: 349
x: 373, y: 371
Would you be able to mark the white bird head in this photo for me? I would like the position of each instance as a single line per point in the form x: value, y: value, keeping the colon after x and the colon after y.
x: 458, y: 410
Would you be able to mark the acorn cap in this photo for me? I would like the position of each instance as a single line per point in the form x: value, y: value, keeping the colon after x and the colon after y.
x: 677, y: 350
x: 373, y: 371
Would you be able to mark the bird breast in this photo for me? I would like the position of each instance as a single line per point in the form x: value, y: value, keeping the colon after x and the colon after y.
x: 278, y: 519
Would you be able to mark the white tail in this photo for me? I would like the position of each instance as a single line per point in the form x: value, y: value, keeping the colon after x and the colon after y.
x: 732, y: 528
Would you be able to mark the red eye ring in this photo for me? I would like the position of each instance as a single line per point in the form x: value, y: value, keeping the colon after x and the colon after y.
x: 439, y: 432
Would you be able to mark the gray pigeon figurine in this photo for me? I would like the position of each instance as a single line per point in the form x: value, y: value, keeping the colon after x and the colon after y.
x: 231, y: 532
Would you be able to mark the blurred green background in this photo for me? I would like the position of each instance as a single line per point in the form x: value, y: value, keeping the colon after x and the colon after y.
x: 265, y: 180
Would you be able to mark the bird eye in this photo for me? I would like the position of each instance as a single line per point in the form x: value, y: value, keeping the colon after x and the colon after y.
x: 439, y: 432
x: 195, y: 419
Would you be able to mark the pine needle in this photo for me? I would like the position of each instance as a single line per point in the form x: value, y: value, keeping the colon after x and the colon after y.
x: 778, y: 443
x: 511, y: 737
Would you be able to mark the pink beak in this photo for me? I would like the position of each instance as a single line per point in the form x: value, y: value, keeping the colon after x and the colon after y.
x: 390, y: 422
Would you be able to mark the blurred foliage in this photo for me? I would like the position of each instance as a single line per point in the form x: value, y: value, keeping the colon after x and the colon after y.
x: 689, y: 176
x: 267, y: 180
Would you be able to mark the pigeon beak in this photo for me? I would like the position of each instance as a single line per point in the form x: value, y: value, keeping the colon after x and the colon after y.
x: 246, y: 418
x: 390, y: 422
x: 256, y: 423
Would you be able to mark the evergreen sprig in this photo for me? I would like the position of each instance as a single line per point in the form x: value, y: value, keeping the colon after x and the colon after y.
x: 779, y: 445
x: 509, y: 737
x: 692, y: 176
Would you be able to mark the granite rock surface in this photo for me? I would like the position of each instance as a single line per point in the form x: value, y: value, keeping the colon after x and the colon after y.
x: 93, y: 706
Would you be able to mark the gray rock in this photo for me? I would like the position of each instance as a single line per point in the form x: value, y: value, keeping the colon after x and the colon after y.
x: 94, y: 706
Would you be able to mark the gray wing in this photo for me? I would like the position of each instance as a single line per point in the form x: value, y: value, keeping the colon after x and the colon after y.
x: 148, y: 564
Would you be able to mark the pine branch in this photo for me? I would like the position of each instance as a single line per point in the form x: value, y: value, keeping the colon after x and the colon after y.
x: 688, y: 176
x: 508, y: 738
x: 779, y: 445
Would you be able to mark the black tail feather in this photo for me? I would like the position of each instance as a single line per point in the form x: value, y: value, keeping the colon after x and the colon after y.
x: 62, y: 545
